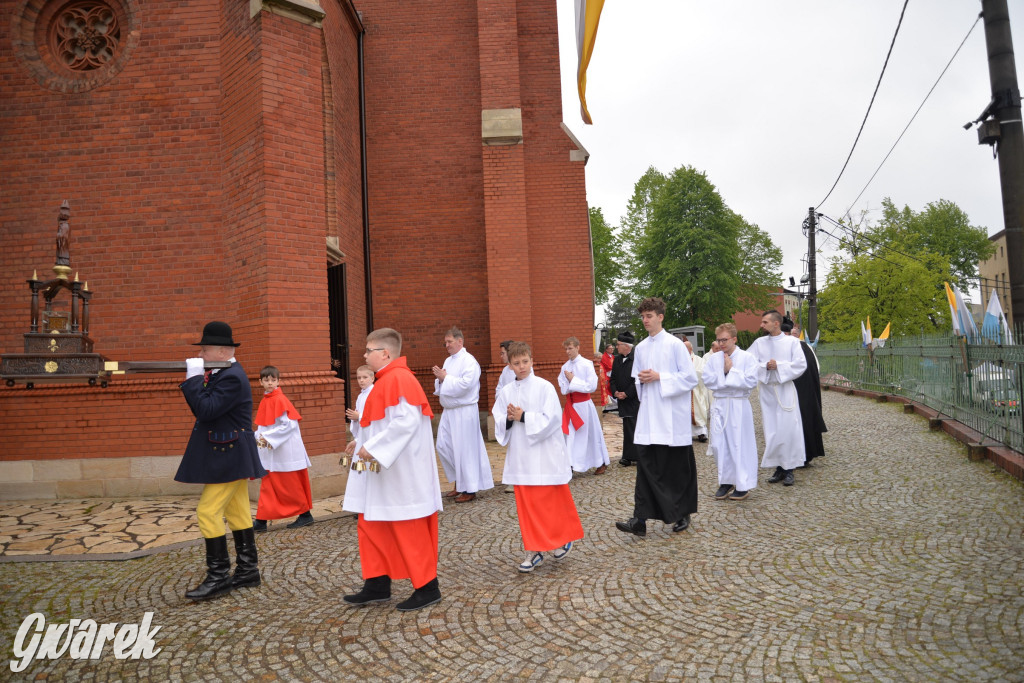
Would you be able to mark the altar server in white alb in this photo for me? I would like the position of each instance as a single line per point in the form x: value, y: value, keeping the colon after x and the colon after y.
x: 780, y: 360
x: 460, y: 441
x: 700, y: 397
x: 397, y: 497
x: 580, y: 422
x: 507, y: 374
x: 666, y: 477
x: 528, y: 419
x: 731, y: 374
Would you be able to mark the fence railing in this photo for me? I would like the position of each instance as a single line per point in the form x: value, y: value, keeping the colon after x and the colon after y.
x: 980, y: 385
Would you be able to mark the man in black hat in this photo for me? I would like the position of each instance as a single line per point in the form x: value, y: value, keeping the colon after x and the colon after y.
x: 623, y: 387
x: 222, y: 455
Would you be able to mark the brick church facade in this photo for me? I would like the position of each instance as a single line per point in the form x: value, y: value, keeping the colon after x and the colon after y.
x: 302, y: 170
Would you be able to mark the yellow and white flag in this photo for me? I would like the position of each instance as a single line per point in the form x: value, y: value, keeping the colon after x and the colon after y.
x: 588, y: 13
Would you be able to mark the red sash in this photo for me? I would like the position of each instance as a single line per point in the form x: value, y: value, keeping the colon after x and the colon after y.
x: 570, y: 414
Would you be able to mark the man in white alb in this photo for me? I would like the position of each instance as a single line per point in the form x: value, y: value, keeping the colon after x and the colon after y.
x: 731, y: 375
x: 460, y: 441
x: 780, y: 360
x: 666, y: 477
x: 580, y: 422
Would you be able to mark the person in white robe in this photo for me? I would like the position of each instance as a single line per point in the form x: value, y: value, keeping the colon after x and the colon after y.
x: 666, y: 478
x: 711, y: 398
x: 780, y: 360
x: 731, y: 374
x: 581, y: 424
x: 699, y: 422
x: 507, y: 375
x: 364, y: 377
x: 394, y: 487
x: 460, y: 441
x: 528, y: 420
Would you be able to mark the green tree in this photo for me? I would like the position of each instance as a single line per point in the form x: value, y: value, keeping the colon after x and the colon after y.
x: 892, y: 289
x: 635, y: 223
x: 688, y: 253
x: 608, y: 256
x: 621, y: 315
x: 761, y: 271
x: 942, y: 229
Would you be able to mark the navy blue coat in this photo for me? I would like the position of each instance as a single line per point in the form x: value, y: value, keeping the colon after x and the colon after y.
x: 222, y: 447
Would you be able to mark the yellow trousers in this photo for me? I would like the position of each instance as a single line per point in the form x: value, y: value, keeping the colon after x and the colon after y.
x: 220, y: 501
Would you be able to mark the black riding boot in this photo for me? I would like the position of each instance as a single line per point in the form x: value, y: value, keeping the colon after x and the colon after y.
x: 247, y: 573
x: 377, y: 589
x: 218, y: 571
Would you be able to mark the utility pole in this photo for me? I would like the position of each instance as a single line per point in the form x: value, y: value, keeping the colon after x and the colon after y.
x: 1003, y: 128
x: 812, y: 289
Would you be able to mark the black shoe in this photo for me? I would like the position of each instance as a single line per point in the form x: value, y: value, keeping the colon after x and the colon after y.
x: 788, y: 478
x: 723, y: 491
x: 703, y: 438
x: 247, y: 572
x: 423, y: 596
x: 682, y: 525
x: 625, y: 463
x: 218, y: 571
x: 377, y: 589
x: 779, y: 475
x: 739, y: 495
x: 305, y: 519
x: 637, y: 527
x: 259, y: 525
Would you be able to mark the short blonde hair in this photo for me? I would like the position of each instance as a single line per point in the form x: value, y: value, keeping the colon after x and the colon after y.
x: 390, y: 339
x: 571, y: 341
x: 365, y: 368
x: 726, y: 327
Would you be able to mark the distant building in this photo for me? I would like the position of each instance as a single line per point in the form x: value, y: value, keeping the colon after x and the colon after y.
x: 993, y: 272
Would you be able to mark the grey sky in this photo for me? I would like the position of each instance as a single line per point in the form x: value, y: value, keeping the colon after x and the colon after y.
x: 766, y: 97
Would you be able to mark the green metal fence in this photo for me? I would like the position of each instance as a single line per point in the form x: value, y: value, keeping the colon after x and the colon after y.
x: 979, y: 385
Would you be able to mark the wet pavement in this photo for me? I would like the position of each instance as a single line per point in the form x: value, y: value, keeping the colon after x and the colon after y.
x: 893, y: 558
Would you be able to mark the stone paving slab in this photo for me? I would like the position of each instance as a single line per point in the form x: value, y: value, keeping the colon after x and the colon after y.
x: 894, y: 558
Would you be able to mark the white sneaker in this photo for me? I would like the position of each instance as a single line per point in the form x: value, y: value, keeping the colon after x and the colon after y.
x: 559, y: 553
x: 531, y: 561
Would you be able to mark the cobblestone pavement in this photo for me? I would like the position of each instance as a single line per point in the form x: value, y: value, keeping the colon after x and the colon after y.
x: 894, y: 558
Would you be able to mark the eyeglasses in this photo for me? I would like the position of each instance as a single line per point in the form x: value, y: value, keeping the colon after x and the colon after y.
x: 724, y: 339
x: 369, y: 351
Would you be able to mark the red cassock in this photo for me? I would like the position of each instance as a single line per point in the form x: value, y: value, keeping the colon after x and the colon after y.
x: 606, y: 368
x: 547, y: 517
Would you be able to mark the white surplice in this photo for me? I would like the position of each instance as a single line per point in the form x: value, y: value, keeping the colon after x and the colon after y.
x: 537, y: 454
x: 407, y: 486
x: 732, y: 420
x: 460, y: 441
x: 780, y: 410
x: 664, y: 416
x: 507, y: 375
x: 585, y: 445
x: 700, y: 398
x: 353, y: 425
x: 286, y: 452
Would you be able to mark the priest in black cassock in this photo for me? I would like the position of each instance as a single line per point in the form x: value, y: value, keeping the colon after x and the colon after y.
x: 623, y: 388
x: 808, y: 394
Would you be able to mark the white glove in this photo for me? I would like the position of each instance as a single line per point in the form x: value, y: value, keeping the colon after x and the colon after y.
x: 194, y: 367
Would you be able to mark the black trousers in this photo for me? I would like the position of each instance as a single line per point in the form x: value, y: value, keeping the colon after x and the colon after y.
x: 628, y: 429
x: 666, y: 483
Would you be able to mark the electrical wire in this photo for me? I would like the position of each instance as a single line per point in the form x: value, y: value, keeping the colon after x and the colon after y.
x: 915, y: 114
x: 877, y: 85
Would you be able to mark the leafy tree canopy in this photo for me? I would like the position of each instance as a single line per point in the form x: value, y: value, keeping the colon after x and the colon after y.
x: 608, y: 256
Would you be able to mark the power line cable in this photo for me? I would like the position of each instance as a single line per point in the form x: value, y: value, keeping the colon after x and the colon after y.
x: 915, y: 115
x: 877, y: 85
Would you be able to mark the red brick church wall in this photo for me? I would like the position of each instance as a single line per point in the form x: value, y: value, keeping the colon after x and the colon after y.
x: 205, y: 177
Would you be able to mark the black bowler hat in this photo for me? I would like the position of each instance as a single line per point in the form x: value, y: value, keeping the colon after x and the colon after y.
x: 217, y: 334
x: 625, y: 337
